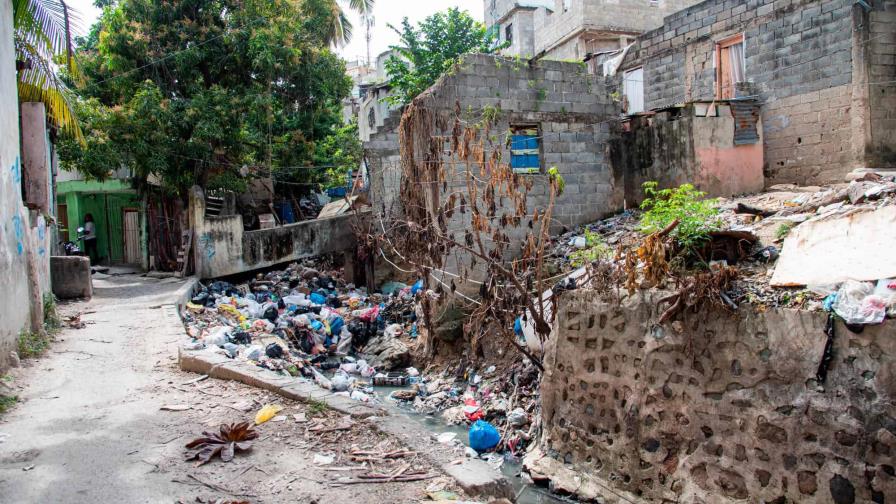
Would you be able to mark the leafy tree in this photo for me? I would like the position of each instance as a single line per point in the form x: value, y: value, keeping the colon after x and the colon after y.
x: 204, y: 91
x: 431, y: 49
x: 340, y: 29
x: 341, y: 153
x: 42, y: 33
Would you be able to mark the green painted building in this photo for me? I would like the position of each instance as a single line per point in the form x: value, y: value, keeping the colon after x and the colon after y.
x: 118, y: 213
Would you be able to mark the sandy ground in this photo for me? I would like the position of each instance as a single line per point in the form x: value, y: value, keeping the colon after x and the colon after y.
x: 90, y: 425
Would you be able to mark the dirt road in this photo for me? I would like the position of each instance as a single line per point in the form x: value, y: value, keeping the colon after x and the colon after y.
x: 91, y: 428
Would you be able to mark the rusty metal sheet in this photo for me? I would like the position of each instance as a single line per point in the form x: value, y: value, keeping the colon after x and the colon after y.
x: 746, y: 117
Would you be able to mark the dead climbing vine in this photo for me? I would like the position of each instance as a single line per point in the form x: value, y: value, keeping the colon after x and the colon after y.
x: 464, y: 223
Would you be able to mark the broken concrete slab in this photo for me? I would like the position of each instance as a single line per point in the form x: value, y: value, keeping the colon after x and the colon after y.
x: 857, y: 246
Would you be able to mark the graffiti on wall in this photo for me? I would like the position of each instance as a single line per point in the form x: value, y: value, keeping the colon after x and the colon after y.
x: 19, y: 230
x: 208, y: 245
x: 16, y: 170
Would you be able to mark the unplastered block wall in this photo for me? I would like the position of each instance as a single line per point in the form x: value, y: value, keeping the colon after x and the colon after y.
x: 881, y: 43
x: 720, y: 407
x: 569, y: 108
x: 798, y: 59
x: 553, y: 28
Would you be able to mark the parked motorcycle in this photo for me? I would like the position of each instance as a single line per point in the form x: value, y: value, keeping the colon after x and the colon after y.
x: 71, y: 248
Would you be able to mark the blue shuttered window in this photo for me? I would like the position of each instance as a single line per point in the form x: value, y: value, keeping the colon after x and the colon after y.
x: 524, y: 150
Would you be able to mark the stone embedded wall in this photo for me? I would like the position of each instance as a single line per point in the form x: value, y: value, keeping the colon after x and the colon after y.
x: 719, y: 407
x: 881, y: 76
x: 798, y: 58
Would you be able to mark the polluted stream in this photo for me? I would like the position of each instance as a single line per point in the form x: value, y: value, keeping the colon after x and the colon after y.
x: 526, y: 493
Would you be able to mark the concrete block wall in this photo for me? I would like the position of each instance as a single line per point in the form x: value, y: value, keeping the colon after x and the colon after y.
x: 552, y: 28
x: 882, y: 84
x: 571, y: 108
x: 221, y: 246
x: 25, y: 235
x: 798, y: 59
x: 719, y: 407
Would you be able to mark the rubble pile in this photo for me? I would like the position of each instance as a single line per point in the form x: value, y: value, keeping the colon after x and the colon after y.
x: 763, y: 222
x: 307, y: 322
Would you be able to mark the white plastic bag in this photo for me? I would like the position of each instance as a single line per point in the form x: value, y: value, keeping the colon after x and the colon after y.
x: 857, y: 304
x: 217, y: 336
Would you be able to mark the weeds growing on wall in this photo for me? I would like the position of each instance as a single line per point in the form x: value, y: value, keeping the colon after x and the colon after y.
x: 7, y: 402
x: 52, y: 322
x: 33, y: 344
x: 595, y: 250
x: 697, y: 216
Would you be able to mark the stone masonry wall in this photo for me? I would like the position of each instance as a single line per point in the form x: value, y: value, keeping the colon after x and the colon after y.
x: 720, y: 407
x: 798, y: 59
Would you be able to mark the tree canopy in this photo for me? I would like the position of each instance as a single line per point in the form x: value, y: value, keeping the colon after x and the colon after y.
x: 431, y: 49
x: 202, y: 91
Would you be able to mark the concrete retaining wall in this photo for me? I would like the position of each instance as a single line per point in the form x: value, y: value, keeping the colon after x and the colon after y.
x: 720, y: 407
x: 221, y: 247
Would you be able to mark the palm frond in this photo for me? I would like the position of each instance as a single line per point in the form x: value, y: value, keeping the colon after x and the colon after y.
x: 39, y: 83
x: 361, y: 6
x: 46, y: 24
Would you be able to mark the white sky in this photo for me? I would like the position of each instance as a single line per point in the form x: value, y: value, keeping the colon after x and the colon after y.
x: 385, y: 12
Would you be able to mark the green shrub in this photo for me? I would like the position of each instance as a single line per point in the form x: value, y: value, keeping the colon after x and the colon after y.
x: 783, y: 230
x: 595, y: 249
x: 6, y: 402
x: 52, y: 322
x: 32, y: 344
x: 697, y: 215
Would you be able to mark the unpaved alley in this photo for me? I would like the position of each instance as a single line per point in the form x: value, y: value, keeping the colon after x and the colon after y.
x: 103, y: 418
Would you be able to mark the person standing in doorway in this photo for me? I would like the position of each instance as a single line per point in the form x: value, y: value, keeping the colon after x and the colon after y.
x: 90, y: 238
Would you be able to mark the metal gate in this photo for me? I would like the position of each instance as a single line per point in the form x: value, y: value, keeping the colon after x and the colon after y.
x: 132, y: 236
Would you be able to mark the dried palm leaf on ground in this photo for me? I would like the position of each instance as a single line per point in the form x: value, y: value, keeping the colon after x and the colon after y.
x: 230, y: 439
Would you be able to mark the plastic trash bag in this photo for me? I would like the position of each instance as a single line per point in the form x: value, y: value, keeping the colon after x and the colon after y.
x: 341, y: 382
x: 393, y: 330
x: 267, y: 412
x: 294, y: 299
x: 318, y: 299
x: 483, y: 436
x: 217, y: 336
x: 886, y: 289
x: 857, y: 304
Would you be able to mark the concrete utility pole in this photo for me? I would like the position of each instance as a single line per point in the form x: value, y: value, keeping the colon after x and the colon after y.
x: 369, y: 22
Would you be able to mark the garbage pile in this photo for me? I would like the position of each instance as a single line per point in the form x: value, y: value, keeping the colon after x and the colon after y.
x: 500, y: 407
x: 307, y: 321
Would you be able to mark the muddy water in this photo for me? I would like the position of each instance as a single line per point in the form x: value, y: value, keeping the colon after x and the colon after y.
x: 527, y: 494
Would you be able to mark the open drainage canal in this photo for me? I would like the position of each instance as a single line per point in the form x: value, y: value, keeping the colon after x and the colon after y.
x: 526, y: 493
